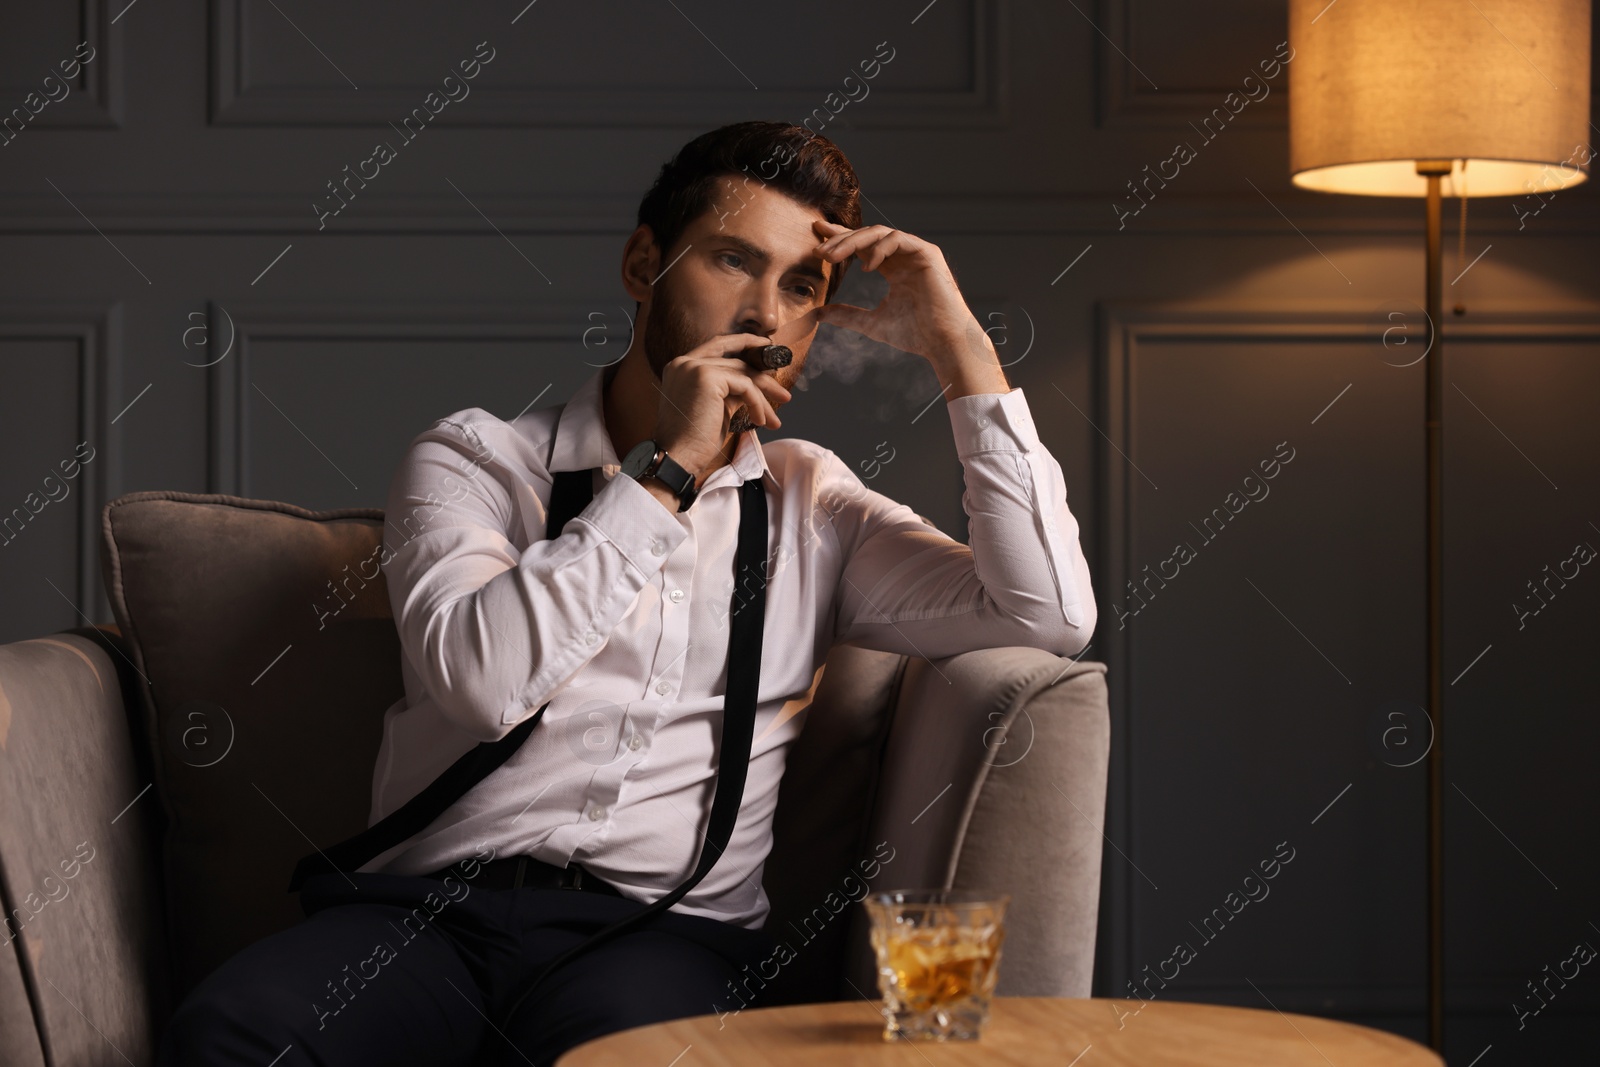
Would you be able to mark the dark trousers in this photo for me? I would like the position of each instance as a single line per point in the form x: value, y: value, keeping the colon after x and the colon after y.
x: 393, y: 969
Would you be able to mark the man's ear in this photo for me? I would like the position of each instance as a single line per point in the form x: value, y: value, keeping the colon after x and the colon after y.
x: 641, y: 263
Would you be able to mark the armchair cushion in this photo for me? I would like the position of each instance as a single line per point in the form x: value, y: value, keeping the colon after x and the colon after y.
x: 263, y: 638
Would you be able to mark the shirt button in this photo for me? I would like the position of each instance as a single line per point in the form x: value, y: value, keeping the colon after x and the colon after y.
x: 596, y: 814
x: 591, y: 638
x: 663, y: 688
x: 676, y: 595
x: 635, y: 741
x: 983, y: 422
x: 657, y: 547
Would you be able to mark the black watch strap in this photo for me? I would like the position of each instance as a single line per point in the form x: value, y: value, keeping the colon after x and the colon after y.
x: 674, y: 477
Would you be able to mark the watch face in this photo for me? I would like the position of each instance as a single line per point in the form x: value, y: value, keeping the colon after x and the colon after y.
x: 638, y: 458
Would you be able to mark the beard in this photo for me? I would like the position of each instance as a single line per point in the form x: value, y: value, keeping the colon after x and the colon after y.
x: 669, y: 334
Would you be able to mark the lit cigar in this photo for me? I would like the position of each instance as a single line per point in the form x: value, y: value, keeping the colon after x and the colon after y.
x: 773, y: 355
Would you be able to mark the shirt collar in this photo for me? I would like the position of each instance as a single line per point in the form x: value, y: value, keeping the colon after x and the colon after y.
x: 582, y: 440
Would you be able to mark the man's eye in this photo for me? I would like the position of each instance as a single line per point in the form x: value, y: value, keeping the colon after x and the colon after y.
x: 803, y: 290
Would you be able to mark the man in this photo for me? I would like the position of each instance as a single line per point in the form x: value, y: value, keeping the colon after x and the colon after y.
x: 618, y: 628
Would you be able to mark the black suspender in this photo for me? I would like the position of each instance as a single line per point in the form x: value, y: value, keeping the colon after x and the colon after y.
x: 571, y: 492
x: 738, y: 721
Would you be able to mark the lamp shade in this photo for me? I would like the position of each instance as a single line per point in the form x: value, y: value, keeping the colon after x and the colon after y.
x: 1498, y: 87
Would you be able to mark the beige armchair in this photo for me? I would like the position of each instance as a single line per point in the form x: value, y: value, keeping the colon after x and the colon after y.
x: 160, y: 777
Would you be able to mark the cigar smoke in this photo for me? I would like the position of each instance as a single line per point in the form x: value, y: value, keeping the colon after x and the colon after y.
x: 904, y: 382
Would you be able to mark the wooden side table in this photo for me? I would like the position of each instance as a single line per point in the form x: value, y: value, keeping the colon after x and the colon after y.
x: 1025, y: 1031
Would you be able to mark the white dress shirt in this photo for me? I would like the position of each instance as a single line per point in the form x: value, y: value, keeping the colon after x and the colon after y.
x: 621, y: 624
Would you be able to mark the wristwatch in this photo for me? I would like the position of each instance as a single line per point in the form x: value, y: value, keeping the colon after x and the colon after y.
x: 646, y: 460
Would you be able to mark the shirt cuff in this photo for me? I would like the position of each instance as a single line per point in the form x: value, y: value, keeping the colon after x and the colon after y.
x: 632, y: 518
x: 991, y: 422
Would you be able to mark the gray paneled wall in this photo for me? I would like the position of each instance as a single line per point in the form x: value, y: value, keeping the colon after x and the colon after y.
x: 203, y: 292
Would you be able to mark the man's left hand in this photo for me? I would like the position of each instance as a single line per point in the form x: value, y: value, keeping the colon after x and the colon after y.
x: 923, y: 312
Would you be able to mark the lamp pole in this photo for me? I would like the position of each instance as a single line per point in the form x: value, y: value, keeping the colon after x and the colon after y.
x: 1433, y: 362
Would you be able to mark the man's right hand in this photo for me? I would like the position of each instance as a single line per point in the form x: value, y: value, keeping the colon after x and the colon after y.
x: 700, y: 391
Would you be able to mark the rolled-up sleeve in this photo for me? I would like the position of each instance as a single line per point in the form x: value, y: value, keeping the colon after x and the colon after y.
x: 907, y: 587
x: 491, y: 631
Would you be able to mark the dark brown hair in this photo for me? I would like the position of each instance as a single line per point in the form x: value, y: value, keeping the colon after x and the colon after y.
x: 803, y: 165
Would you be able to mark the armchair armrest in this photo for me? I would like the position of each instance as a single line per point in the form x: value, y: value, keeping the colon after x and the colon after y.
x: 994, y: 777
x: 81, y: 949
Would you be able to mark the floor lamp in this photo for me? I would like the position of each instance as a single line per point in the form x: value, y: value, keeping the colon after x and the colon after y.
x: 1390, y: 99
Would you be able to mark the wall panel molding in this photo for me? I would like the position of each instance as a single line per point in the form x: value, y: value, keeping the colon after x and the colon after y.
x: 246, y: 325
x: 238, y: 101
x: 1122, y: 327
x: 96, y: 99
x: 1126, y: 97
x: 96, y: 332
